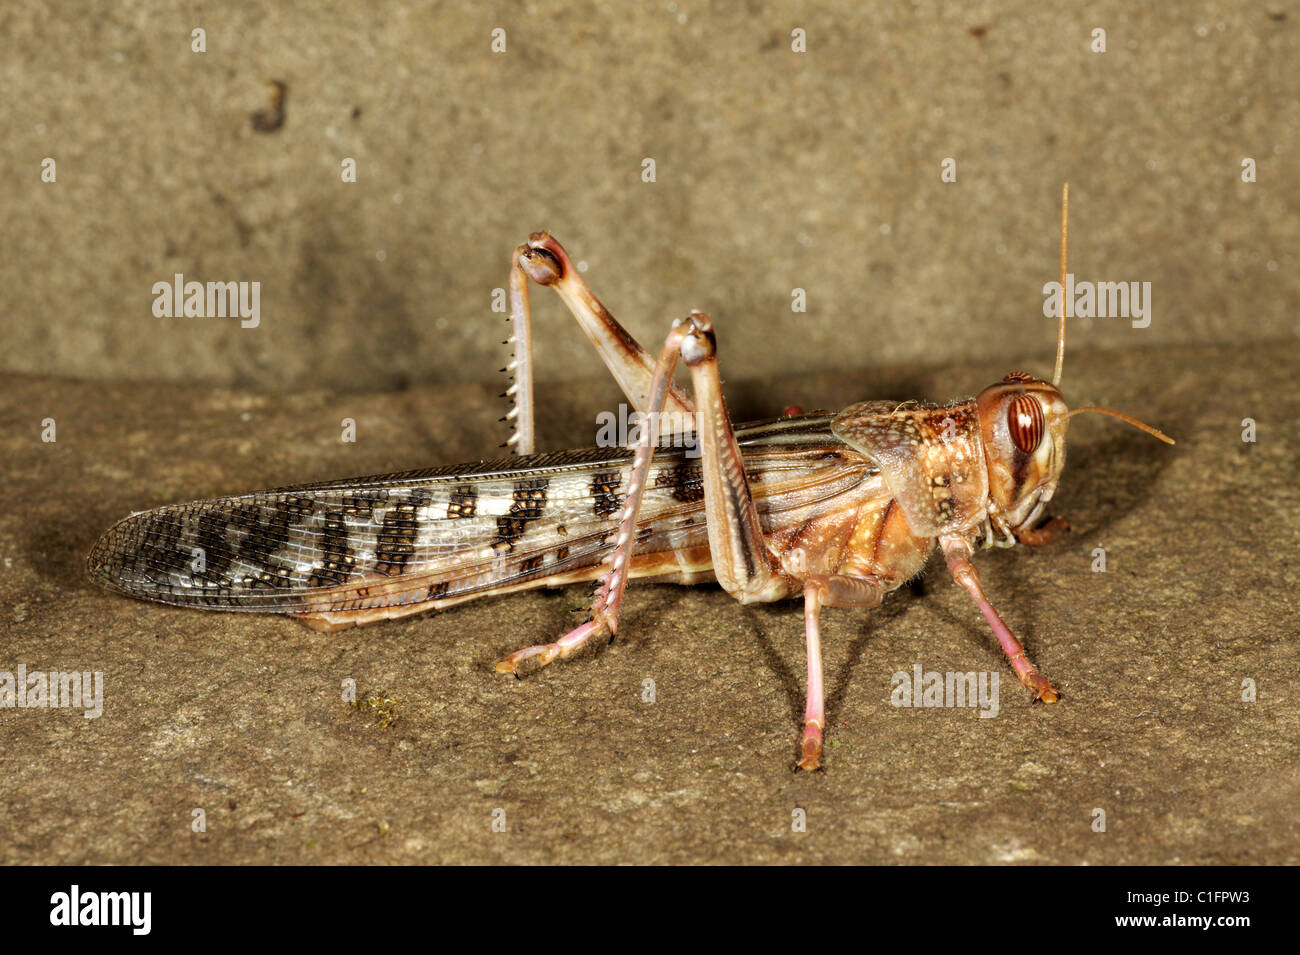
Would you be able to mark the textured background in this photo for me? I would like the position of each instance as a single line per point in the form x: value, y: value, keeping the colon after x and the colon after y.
x: 775, y: 171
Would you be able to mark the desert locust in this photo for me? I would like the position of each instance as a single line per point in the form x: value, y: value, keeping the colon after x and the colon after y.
x: 836, y: 508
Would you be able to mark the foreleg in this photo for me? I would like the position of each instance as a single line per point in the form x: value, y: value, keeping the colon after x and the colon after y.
x: 957, y: 551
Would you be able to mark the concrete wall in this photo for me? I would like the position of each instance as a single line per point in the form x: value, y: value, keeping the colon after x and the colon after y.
x: 774, y: 170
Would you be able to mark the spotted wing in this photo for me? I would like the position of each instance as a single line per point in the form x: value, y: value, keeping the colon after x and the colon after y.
x: 443, y: 533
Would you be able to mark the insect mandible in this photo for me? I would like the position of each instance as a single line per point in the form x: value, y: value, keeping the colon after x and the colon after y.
x: 837, y: 508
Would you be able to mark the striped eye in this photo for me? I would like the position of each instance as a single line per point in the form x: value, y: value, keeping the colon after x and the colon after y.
x: 1025, y: 421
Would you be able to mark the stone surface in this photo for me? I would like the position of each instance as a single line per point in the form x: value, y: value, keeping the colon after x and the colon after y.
x: 241, y: 715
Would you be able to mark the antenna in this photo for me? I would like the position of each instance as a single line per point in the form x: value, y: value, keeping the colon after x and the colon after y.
x: 1060, y: 328
x: 1155, y: 433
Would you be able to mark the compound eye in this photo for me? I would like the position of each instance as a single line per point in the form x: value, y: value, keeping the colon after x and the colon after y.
x: 1025, y: 421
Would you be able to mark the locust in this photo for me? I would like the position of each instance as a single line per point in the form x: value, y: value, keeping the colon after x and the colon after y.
x: 836, y: 508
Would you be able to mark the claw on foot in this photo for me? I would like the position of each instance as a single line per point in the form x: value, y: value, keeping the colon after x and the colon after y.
x: 812, y: 747
x: 1042, y: 689
x: 546, y: 653
x: 563, y: 647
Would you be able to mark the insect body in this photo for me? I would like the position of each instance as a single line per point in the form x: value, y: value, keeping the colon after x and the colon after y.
x: 839, y: 508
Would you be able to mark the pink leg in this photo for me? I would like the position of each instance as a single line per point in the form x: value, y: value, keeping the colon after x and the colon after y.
x: 545, y: 653
x: 814, y: 714
x: 826, y: 591
x: 609, y: 596
x: 737, y: 547
x: 742, y: 561
x: 957, y: 551
x: 523, y: 439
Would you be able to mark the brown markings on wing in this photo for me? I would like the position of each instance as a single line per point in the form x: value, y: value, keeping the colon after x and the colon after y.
x: 346, y: 546
x: 604, y: 493
x: 685, y: 482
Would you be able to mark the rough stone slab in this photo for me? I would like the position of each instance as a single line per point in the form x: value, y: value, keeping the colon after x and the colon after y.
x: 241, y: 715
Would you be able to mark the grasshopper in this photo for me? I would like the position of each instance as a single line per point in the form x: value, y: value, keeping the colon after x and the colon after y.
x: 839, y: 508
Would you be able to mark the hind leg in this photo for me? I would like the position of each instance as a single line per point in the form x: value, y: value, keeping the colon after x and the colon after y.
x: 609, y: 595
x: 738, y: 550
x: 544, y: 261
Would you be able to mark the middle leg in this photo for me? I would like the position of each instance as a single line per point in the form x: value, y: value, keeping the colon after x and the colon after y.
x: 832, y: 590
